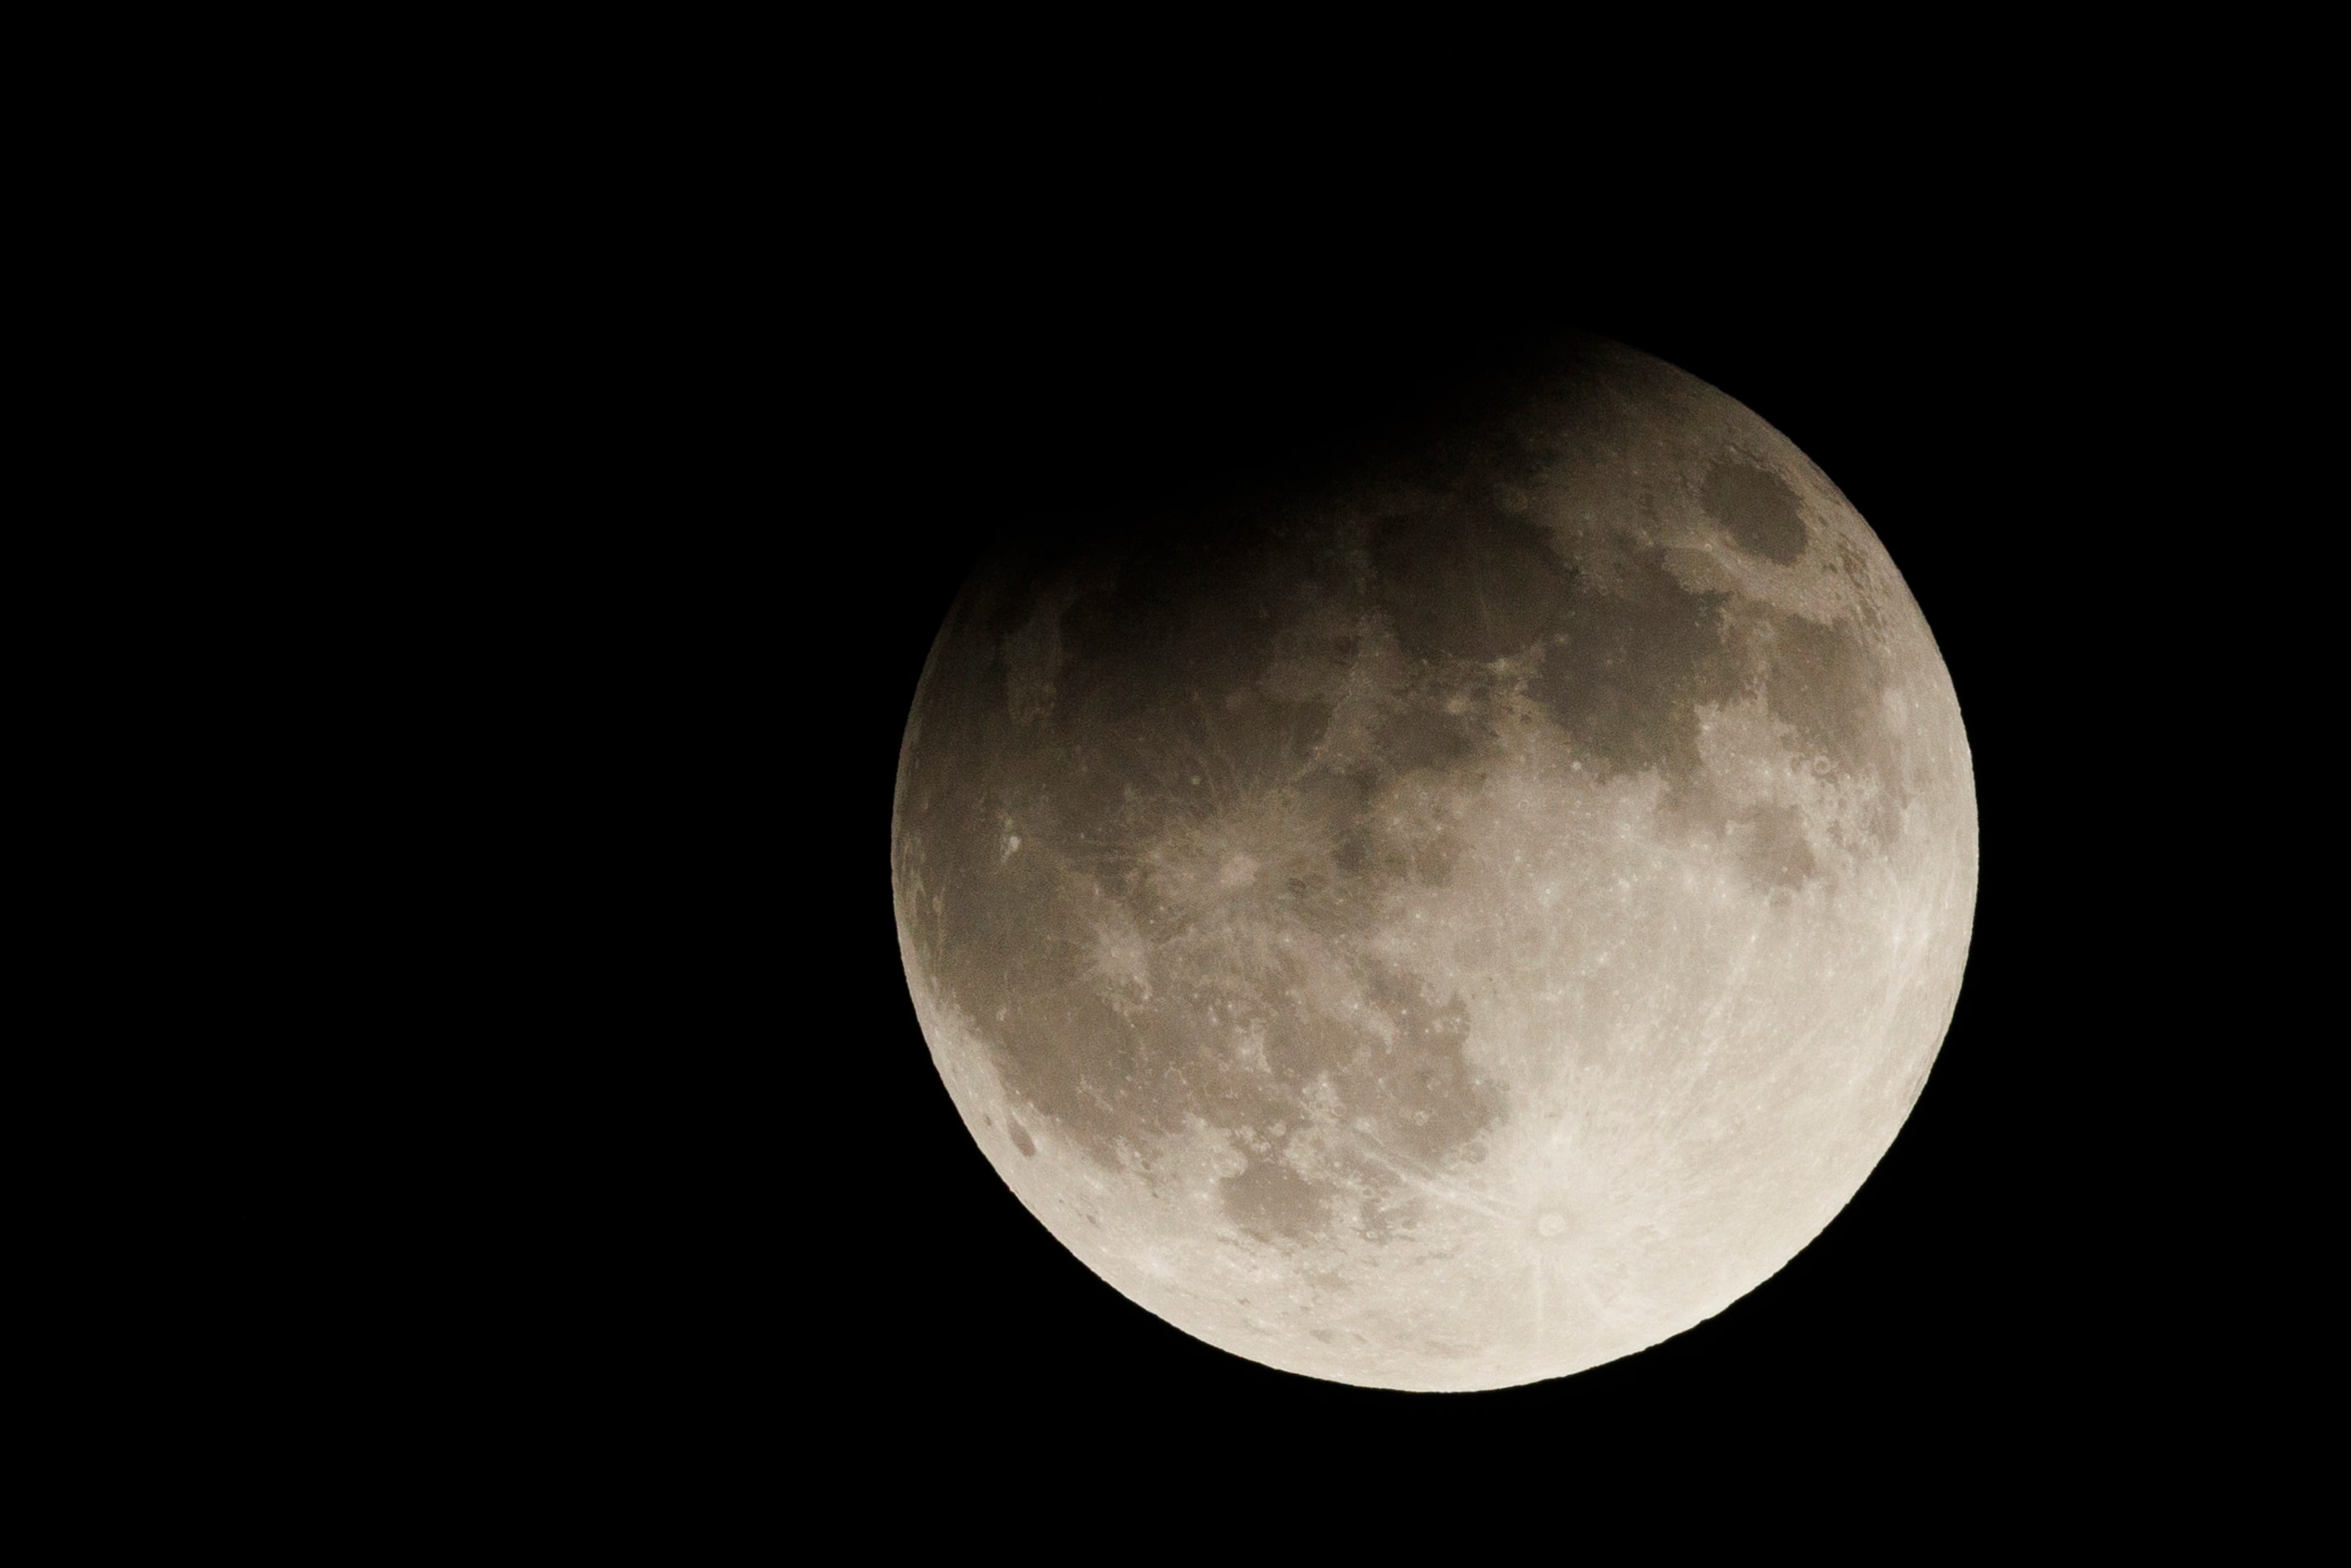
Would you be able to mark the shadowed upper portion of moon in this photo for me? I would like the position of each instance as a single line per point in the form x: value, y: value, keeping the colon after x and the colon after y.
x: 1173, y: 791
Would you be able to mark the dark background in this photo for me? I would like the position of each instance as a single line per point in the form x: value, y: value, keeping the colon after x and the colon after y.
x: 757, y: 390
x: 675, y: 416
x: 749, y: 1227
x: 1974, y: 412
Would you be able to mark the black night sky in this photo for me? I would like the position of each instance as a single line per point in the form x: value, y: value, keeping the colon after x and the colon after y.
x: 968, y: 356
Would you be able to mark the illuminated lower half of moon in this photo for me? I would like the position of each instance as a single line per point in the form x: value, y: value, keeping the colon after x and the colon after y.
x: 1458, y: 922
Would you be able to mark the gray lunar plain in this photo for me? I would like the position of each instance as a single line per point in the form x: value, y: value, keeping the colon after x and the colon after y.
x: 1455, y: 922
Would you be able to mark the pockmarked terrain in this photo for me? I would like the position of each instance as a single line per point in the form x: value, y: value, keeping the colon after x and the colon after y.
x: 1455, y: 921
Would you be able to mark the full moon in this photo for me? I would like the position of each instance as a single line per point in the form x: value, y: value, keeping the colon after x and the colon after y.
x: 1454, y: 917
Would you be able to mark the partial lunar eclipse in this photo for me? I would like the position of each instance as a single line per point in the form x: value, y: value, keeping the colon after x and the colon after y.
x: 1457, y: 919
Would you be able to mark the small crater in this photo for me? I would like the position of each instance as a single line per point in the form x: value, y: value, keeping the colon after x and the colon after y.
x: 1020, y: 1139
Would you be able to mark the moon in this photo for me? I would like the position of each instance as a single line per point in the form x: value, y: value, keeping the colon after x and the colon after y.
x: 1454, y: 917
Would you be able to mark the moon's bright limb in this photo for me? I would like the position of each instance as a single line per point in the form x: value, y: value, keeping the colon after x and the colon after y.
x: 1458, y: 924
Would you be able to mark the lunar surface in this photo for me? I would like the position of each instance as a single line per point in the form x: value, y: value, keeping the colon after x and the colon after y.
x: 1455, y: 920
